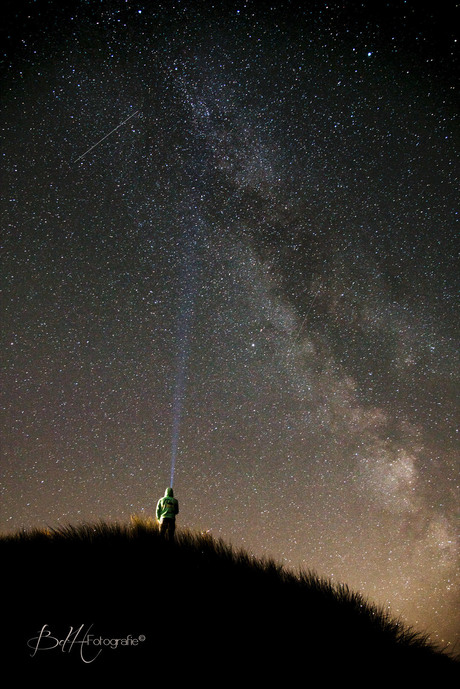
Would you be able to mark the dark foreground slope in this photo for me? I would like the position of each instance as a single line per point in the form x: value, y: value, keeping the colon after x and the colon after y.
x: 119, y: 602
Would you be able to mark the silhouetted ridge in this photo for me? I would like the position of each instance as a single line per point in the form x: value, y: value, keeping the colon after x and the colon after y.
x: 198, y: 599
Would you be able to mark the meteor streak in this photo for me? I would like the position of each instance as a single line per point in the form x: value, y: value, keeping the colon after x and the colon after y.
x: 299, y: 330
x: 106, y: 136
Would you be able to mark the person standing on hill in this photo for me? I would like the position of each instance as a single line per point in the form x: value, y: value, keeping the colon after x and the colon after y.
x: 167, y: 508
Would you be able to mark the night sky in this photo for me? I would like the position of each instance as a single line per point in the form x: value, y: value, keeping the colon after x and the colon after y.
x: 257, y: 273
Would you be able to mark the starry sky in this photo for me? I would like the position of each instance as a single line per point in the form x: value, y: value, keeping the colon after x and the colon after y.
x: 228, y: 235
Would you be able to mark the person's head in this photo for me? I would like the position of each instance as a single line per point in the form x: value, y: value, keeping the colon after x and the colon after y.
x: 169, y: 493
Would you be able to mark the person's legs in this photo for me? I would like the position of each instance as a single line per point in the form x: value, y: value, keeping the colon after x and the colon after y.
x: 168, y: 527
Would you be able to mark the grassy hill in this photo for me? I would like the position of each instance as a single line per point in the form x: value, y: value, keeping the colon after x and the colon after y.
x: 192, y: 608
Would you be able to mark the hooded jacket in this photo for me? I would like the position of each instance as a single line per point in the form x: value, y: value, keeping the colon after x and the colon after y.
x: 168, y: 506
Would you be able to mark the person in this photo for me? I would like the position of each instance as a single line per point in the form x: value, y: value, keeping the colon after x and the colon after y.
x: 167, y: 508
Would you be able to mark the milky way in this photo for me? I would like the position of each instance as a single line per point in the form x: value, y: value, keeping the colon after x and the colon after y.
x: 266, y: 249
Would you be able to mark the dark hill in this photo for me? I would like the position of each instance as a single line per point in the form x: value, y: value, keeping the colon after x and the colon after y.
x: 207, y: 612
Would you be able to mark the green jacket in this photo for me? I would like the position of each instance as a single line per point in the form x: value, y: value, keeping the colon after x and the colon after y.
x: 168, y: 506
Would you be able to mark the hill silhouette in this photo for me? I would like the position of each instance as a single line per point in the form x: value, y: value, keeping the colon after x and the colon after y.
x: 194, y: 608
